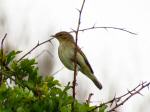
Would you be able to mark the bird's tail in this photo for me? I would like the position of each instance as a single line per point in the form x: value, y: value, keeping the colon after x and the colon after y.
x: 91, y: 76
x: 95, y: 81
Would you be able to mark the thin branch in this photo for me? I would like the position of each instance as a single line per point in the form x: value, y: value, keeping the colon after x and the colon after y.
x: 133, y: 92
x: 105, y: 27
x: 37, y: 45
x: 2, y: 53
x: 89, y: 98
x: 57, y: 71
x: 44, y: 51
x: 75, y: 53
x: 2, y: 47
x: 2, y: 43
x: 123, y: 98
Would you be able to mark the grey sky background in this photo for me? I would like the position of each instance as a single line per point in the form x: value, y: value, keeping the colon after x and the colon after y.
x: 119, y: 60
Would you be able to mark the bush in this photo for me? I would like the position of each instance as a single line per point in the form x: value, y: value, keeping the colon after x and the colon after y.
x: 23, y: 89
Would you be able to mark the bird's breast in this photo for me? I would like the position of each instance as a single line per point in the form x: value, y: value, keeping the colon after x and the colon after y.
x: 66, y: 54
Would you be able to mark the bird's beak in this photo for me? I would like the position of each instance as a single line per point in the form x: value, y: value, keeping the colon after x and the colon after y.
x: 53, y: 36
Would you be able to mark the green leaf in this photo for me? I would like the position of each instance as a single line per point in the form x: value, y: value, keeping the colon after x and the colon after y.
x: 11, y: 56
x: 102, y: 108
x: 28, y: 91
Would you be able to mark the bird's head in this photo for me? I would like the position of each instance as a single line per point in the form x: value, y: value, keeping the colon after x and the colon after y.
x: 63, y: 36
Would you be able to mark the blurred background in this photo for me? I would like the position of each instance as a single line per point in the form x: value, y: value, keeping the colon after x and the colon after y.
x: 120, y: 60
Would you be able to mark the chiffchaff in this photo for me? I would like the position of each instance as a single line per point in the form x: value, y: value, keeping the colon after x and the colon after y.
x: 66, y: 55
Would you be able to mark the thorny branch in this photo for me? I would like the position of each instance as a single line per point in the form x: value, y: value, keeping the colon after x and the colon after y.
x: 37, y: 45
x: 76, y: 32
x: 75, y: 53
x: 76, y: 41
x: 105, y: 27
x: 118, y: 101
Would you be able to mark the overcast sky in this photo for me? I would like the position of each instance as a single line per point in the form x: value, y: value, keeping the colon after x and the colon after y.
x: 120, y: 60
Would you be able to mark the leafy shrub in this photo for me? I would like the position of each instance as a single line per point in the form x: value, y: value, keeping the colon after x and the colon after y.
x: 23, y: 89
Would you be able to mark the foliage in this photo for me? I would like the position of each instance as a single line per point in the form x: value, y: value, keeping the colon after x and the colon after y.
x: 23, y: 89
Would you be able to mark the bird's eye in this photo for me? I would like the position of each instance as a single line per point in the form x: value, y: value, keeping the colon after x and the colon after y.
x: 60, y: 35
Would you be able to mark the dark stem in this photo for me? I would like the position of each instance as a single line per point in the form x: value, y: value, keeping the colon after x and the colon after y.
x: 131, y: 93
x: 105, y: 27
x: 89, y: 98
x: 75, y: 56
x: 2, y: 63
x: 123, y: 98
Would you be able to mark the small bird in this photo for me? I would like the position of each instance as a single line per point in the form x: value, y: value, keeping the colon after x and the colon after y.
x: 66, y: 54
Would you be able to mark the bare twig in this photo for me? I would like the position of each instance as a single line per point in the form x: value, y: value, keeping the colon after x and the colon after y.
x: 57, y: 71
x: 124, y: 98
x: 105, y: 27
x: 131, y: 93
x: 2, y: 47
x: 2, y: 43
x: 2, y: 53
x: 89, y: 98
x: 37, y: 45
x: 44, y: 51
x: 75, y: 53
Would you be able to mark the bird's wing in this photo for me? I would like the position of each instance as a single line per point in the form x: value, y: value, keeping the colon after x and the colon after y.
x: 85, y: 59
x: 81, y: 54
